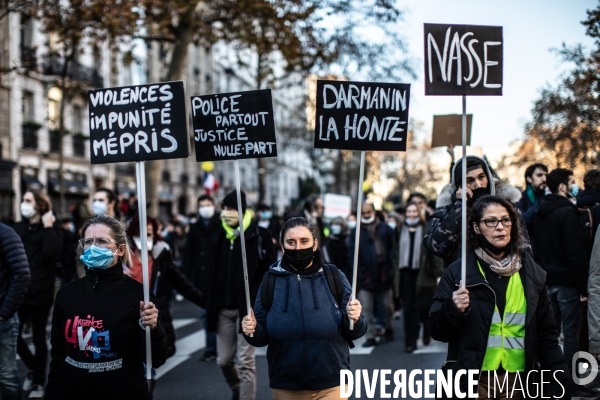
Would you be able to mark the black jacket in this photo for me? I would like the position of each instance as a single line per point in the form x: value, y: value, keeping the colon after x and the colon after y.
x: 371, y: 275
x: 589, y: 198
x: 100, y: 312
x: 222, y: 255
x: 467, y: 333
x: 557, y: 240
x: 44, y: 248
x: 335, y: 251
x: 14, y: 272
x: 166, y: 275
x: 195, y: 256
x: 527, y: 208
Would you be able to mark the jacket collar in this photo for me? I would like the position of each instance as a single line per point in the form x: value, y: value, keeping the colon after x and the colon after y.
x: 109, y: 275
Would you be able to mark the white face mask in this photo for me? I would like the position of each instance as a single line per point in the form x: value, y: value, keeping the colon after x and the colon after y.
x: 206, y: 212
x: 138, y: 242
x: 27, y: 210
x: 392, y: 225
x: 368, y: 220
x: 99, y: 207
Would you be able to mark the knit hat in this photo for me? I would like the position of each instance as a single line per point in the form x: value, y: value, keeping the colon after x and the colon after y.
x: 473, y: 163
x: 231, y: 200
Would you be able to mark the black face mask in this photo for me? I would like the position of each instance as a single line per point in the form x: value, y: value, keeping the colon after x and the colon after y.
x: 299, y: 259
x: 479, y: 193
x: 490, y: 247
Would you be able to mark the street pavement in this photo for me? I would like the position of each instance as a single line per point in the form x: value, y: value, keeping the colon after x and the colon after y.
x: 185, y: 377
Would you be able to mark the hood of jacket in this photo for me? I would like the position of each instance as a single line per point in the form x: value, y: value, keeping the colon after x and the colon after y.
x: 588, y: 198
x: 551, y: 203
x: 501, y: 188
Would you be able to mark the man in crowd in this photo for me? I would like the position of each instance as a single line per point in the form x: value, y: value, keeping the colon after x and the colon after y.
x: 194, y: 264
x: 14, y: 282
x: 590, y: 198
x: 557, y: 239
x: 267, y: 220
x: 226, y: 302
x: 443, y: 236
x: 313, y: 211
x: 535, y: 179
x: 375, y: 269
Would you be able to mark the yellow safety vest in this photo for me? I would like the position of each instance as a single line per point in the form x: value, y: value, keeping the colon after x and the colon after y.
x: 506, y: 340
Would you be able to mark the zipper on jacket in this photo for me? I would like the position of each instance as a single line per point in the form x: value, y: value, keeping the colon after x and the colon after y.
x: 302, y: 317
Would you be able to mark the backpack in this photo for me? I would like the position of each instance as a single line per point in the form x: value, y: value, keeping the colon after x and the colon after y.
x: 333, y: 281
x: 586, y: 219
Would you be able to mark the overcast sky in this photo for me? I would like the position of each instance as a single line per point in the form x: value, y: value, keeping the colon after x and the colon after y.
x: 531, y: 29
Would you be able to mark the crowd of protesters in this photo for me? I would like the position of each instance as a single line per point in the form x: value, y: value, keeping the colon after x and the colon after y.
x: 533, y: 254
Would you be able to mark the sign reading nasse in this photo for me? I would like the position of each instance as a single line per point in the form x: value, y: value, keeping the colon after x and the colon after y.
x: 231, y: 126
x: 361, y: 116
x: 463, y: 59
x: 137, y: 123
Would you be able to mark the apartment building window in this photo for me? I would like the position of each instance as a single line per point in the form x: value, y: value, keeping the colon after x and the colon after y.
x: 27, y: 107
x: 76, y: 122
x: 54, y: 141
x: 54, y: 96
x: 28, y: 58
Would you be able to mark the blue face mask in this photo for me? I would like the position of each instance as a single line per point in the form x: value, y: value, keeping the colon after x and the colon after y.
x: 97, y: 258
x: 574, y: 190
x: 266, y: 215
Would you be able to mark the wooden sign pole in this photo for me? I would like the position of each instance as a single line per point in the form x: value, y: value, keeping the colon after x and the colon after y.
x: 242, y: 240
x: 359, y: 202
x: 141, y: 189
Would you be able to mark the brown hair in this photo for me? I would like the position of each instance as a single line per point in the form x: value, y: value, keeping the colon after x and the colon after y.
x: 421, y: 218
x: 42, y: 202
x: 117, y: 232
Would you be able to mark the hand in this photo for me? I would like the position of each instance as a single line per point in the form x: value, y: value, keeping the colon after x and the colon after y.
x: 48, y: 219
x: 249, y: 323
x: 450, y: 151
x: 459, y: 194
x: 353, y: 309
x: 583, y: 298
x: 148, y: 314
x: 461, y: 299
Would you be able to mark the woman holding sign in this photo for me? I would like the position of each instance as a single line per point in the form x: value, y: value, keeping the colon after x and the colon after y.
x: 501, y: 324
x: 303, y: 313
x: 98, y: 325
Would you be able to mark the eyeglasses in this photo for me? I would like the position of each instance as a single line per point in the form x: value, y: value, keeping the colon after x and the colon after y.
x: 86, y: 243
x: 493, y: 222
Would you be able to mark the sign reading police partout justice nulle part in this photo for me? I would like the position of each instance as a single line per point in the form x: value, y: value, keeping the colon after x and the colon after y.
x: 138, y: 123
x: 361, y: 116
x: 230, y: 126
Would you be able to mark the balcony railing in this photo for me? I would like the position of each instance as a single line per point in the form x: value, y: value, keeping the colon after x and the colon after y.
x: 28, y: 57
x: 30, y: 136
x: 75, y: 71
x: 79, y: 146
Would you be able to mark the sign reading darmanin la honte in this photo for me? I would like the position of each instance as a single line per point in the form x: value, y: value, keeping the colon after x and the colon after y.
x: 361, y: 115
x: 463, y: 60
x: 231, y: 126
x: 138, y: 123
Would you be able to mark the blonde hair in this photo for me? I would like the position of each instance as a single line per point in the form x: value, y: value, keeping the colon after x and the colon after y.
x: 117, y: 232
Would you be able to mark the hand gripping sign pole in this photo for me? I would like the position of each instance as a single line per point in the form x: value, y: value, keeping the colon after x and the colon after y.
x: 162, y: 135
x: 463, y: 264
x: 359, y: 202
x: 242, y: 240
x: 141, y: 189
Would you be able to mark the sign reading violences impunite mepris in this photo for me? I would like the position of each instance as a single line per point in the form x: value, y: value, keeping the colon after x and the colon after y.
x: 361, y: 115
x: 138, y: 123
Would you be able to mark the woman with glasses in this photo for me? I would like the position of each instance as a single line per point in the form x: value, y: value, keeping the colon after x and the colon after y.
x: 98, y: 325
x: 501, y: 324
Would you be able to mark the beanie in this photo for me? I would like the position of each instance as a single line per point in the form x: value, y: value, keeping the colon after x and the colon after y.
x: 231, y: 200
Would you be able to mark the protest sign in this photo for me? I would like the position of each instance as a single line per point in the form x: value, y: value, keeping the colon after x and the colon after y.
x: 231, y: 126
x: 336, y: 205
x: 447, y: 130
x: 361, y: 116
x: 463, y: 59
x: 138, y: 123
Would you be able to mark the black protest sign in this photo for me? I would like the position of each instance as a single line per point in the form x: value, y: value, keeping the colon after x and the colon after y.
x: 361, y: 115
x: 231, y: 126
x: 138, y: 123
x: 463, y: 60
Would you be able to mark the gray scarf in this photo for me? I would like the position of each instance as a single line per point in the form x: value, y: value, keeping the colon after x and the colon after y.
x: 405, y: 247
x: 508, y: 266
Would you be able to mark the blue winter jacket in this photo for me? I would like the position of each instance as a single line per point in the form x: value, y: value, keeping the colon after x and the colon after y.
x: 303, y: 330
